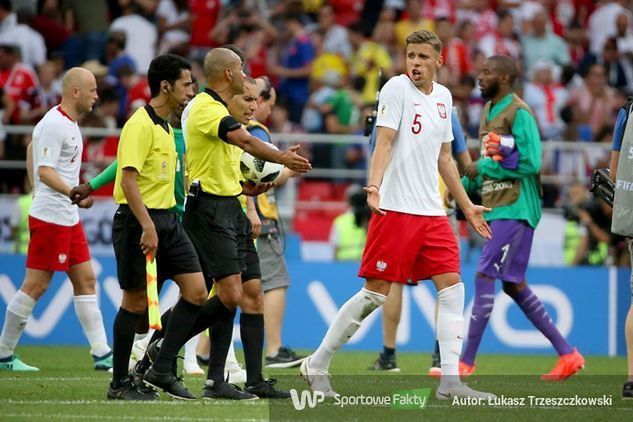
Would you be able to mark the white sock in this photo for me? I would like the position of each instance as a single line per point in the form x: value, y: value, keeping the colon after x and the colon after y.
x: 18, y: 311
x: 91, y: 321
x: 190, y: 349
x: 450, y: 329
x: 346, y: 323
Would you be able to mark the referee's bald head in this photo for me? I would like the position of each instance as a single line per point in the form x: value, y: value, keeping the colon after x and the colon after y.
x: 76, y: 77
x: 217, y: 61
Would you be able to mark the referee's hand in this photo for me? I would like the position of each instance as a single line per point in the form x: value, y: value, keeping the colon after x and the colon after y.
x: 294, y: 161
x: 149, y: 240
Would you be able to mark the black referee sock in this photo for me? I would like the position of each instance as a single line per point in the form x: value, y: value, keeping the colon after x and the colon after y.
x: 221, y: 336
x: 212, y: 311
x: 388, y: 352
x: 177, y: 332
x: 124, y: 325
x: 252, y: 332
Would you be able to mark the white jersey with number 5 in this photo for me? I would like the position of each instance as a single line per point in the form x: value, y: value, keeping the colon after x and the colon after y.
x: 57, y: 143
x: 423, y: 124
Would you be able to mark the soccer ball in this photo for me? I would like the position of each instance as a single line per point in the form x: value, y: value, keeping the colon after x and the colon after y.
x: 259, y: 171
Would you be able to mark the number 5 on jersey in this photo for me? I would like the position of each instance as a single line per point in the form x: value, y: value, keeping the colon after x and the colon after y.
x: 416, y: 128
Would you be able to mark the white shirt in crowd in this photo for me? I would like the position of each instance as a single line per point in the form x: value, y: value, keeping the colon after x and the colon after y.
x: 57, y: 143
x: 423, y: 123
x: 141, y: 36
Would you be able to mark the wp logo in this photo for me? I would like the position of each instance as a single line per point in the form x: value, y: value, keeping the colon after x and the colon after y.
x: 311, y: 398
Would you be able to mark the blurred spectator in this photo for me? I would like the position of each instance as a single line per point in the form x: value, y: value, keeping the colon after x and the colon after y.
x: 617, y: 69
x: 295, y: 67
x: 602, y: 22
x: 109, y: 103
x: 19, y: 220
x: 503, y: 40
x: 335, y: 40
x: 323, y: 88
x: 547, y: 98
x: 542, y: 43
x: 7, y: 18
x: 133, y: 89
x: 174, y: 24
x: 204, y: 16
x: 29, y: 41
x: 17, y: 80
x: 89, y: 19
x: 324, y: 62
x: 414, y: 21
x: 50, y: 23
x: 116, y: 57
x: 368, y: 59
x: 47, y: 94
x: 587, y: 232
x: 576, y: 38
x: 595, y: 102
x: 454, y: 52
x: 349, y: 229
x: 141, y: 35
x: 346, y: 12
x: 481, y: 14
x: 246, y: 28
x: 624, y: 34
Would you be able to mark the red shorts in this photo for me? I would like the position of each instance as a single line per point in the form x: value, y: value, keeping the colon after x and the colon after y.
x: 54, y: 247
x: 405, y: 247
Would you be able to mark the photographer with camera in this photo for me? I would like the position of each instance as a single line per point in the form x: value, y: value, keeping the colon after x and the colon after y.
x: 587, y: 235
x: 349, y: 229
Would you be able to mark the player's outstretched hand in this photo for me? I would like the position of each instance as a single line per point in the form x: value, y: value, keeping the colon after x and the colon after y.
x: 149, y: 240
x: 294, y: 161
x: 79, y: 193
x: 251, y: 189
x: 475, y: 216
x: 86, y: 202
x: 373, y: 200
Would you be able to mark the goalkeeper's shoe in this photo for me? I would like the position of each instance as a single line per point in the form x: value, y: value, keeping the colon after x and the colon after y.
x: 461, y: 390
x: 103, y: 363
x: 627, y: 390
x: 13, y: 363
x: 466, y: 370
x: 566, y: 366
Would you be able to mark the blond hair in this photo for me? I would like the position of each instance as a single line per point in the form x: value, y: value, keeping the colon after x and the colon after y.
x: 425, y: 37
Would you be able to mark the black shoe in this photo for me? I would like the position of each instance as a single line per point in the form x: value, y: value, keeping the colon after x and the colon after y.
x: 152, y: 353
x: 168, y: 383
x: 266, y: 390
x: 128, y: 391
x: 224, y: 390
x: 137, y: 374
x: 202, y: 361
x: 285, y: 358
x: 627, y: 390
x: 385, y: 364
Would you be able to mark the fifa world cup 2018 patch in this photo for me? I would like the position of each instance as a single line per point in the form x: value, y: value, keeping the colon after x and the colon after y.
x: 383, y: 111
x: 45, y: 152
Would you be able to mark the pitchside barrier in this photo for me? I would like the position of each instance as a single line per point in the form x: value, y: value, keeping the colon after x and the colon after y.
x: 588, y: 305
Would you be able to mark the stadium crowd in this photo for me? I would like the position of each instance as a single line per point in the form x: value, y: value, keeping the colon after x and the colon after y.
x: 324, y: 59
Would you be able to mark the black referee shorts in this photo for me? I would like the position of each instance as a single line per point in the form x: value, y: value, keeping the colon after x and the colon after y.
x: 219, y: 230
x: 175, y: 255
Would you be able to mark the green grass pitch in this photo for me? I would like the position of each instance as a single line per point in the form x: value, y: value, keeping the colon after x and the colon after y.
x: 68, y: 389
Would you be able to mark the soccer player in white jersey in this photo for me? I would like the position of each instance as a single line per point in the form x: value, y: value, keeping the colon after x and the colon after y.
x: 58, y: 242
x: 409, y: 236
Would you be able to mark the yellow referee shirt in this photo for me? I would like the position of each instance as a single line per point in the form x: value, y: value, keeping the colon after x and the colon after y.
x: 147, y: 145
x: 210, y: 158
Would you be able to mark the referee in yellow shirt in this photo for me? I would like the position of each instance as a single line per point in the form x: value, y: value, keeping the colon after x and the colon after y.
x: 145, y: 225
x: 213, y: 215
